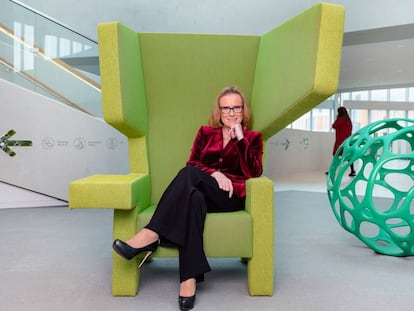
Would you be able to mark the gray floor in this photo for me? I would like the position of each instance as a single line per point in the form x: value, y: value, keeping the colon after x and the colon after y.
x: 53, y: 258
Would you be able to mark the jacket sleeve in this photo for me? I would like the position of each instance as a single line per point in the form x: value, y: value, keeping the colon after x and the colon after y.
x: 251, y: 153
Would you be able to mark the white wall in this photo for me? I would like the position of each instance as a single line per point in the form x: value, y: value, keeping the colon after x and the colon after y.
x: 215, y: 16
x: 67, y: 144
x: 295, y: 151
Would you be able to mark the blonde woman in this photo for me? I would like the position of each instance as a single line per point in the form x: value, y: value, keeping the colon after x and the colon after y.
x: 224, y: 154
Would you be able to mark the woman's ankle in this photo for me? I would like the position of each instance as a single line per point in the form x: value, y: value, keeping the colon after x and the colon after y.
x: 188, y: 287
x: 143, y: 238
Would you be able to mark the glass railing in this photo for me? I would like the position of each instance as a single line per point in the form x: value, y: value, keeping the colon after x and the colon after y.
x: 47, y: 57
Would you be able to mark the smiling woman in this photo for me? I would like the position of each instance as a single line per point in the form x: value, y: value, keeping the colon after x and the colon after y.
x: 229, y: 104
x: 231, y: 107
x: 224, y: 155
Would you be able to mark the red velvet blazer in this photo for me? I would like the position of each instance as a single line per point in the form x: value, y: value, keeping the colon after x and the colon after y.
x: 239, y: 160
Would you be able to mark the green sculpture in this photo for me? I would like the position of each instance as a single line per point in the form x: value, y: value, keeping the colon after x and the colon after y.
x: 385, y: 150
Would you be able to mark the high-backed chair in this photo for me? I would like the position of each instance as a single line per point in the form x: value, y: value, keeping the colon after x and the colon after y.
x: 158, y: 89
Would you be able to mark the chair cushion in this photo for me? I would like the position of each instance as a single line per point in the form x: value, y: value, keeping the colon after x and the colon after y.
x: 225, y: 234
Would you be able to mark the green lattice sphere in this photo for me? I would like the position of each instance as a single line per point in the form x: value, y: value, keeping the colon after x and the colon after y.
x: 384, y: 151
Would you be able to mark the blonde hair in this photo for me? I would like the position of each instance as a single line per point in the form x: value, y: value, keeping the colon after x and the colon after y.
x: 215, y: 116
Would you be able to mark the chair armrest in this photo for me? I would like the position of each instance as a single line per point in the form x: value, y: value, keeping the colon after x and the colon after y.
x: 260, y: 205
x: 259, y: 194
x: 123, y: 192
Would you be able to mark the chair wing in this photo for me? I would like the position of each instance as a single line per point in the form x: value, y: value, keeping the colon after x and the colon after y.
x: 123, y: 90
x: 297, y: 67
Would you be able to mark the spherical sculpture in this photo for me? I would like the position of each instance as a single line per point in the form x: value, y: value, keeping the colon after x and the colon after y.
x: 385, y: 150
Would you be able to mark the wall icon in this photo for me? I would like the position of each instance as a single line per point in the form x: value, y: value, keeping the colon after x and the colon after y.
x: 286, y: 143
x: 5, y: 143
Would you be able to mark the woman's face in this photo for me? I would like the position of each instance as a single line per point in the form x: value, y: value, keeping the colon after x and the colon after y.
x: 231, y: 110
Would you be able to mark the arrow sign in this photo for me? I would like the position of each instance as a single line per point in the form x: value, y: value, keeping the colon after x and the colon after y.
x: 5, y: 143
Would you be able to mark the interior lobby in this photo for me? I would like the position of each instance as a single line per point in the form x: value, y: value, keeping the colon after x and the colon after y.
x: 59, y: 258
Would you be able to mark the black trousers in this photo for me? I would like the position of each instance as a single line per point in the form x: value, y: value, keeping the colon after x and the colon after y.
x: 180, y: 215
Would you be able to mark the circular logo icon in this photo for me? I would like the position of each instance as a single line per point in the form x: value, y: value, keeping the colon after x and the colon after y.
x: 48, y: 142
x: 79, y: 143
x: 111, y: 143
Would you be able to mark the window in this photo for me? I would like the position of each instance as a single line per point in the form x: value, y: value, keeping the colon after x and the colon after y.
x: 303, y: 123
x: 377, y: 115
x: 321, y: 120
x: 380, y: 104
x: 379, y: 95
x: 361, y: 95
x: 359, y: 118
x: 346, y: 96
x: 397, y: 114
x: 411, y: 94
x: 398, y: 95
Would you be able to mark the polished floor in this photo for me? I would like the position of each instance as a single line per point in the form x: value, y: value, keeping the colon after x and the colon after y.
x: 54, y: 258
x: 57, y: 259
x: 317, y: 181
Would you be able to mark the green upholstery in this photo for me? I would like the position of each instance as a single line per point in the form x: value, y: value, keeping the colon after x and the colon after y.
x: 159, y: 88
x: 297, y: 67
x: 237, y: 228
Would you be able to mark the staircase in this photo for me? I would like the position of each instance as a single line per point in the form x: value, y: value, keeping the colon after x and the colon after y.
x: 50, y: 97
x: 47, y: 57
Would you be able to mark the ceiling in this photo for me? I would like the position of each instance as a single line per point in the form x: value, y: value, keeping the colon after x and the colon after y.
x: 371, y: 59
x: 378, y: 58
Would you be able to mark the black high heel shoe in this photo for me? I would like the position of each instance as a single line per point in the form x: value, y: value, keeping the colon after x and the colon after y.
x: 186, y: 303
x: 129, y: 252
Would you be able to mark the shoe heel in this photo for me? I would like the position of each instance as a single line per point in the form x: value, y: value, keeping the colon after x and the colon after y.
x: 144, y: 259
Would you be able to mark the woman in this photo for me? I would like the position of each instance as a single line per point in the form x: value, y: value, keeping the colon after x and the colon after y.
x: 343, y: 129
x: 222, y: 157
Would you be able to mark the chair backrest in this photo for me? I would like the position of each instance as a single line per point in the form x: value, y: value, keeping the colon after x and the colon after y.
x: 158, y: 89
x: 183, y: 75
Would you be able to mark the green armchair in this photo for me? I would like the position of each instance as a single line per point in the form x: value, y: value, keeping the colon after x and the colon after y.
x: 158, y: 88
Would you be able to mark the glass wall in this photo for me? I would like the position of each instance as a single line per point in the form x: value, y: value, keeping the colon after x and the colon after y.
x: 364, y: 107
x: 359, y: 118
x: 377, y: 115
x: 48, y: 58
x: 321, y: 119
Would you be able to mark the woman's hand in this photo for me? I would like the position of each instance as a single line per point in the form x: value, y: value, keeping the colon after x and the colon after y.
x: 236, y: 131
x: 223, y: 182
